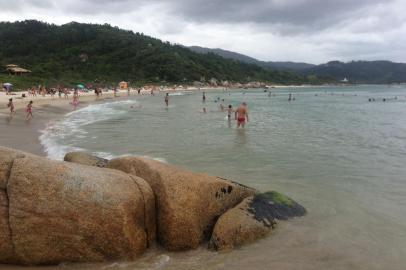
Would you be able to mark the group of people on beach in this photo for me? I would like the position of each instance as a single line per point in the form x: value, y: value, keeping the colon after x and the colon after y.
x: 33, y: 93
x: 28, y: 109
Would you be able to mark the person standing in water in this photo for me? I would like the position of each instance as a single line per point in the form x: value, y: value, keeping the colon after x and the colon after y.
x: 75, y: 101
x: 29, y: 110
x: 11, y: 106
x: 229, y: 112
x: 241, y: 115
x: 290, y: 97
x: 167, y: 99
x: 204, y: 96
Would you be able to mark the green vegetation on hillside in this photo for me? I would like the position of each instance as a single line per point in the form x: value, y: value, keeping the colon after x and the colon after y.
x: 372, y: 72
x: 102, y: 54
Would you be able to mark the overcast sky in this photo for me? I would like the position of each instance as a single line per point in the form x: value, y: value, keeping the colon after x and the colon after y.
x: 313, y: 31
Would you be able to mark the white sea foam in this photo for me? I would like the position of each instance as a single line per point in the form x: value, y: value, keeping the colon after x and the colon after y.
x: 156, y: 158
x: 52, y: 147
x: 177, y: 94
x: 70, y: 127
x: 59, y: 137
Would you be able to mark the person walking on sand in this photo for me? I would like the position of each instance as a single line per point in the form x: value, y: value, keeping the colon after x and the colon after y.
x: 11, y: 106
x: 167, y: 99
x: 241, y: 115
x: 29, y: 110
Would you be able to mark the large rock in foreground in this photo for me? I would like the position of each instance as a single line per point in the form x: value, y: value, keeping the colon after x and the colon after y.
x: 85, y: 159
x: 62, y: 211
x: 188, y: 204
x: 252, y: 219
x: 6, y: 246
x: 7, y: 157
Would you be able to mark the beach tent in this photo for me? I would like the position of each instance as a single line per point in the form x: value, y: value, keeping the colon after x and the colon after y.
x: 123, y: 85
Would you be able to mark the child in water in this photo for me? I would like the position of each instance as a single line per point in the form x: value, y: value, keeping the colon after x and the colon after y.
x: 229, y: 112
x: 29, y: 110
x: 11, y: 106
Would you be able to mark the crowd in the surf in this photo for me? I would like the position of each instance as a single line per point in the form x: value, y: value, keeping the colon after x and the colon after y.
x: 240, y: 114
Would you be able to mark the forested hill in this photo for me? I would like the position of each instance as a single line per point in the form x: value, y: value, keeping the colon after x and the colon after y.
x: 372, y: 72
x: 369, y: 72
x: 284, y: 66
x: 77, y: 52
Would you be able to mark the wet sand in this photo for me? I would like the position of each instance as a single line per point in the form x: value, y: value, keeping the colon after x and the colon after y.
x: 18, y: 133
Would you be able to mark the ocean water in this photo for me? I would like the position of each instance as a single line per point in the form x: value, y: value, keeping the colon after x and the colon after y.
x: 333, y: 151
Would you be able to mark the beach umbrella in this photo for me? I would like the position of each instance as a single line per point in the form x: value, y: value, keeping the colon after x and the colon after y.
x: 7, y: 85
x: 81, y: 86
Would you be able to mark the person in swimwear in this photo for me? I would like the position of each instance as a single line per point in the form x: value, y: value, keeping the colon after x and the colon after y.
x: 229, y: 112
x: 204, y: 97
x: 167, y: 99
x: 29, y: 110
x: 75, y: 102
x: 241, y: 115
x: 11, y: 106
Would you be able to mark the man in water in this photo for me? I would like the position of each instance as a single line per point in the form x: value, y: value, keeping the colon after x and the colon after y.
x: 241, y: 115
x: 204, y: 96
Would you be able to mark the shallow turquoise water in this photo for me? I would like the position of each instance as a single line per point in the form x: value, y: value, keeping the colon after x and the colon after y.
x: 330, y: 149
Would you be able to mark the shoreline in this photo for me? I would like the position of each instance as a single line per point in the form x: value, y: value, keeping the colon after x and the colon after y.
x: 24, y: 135
x: 18, y: 133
